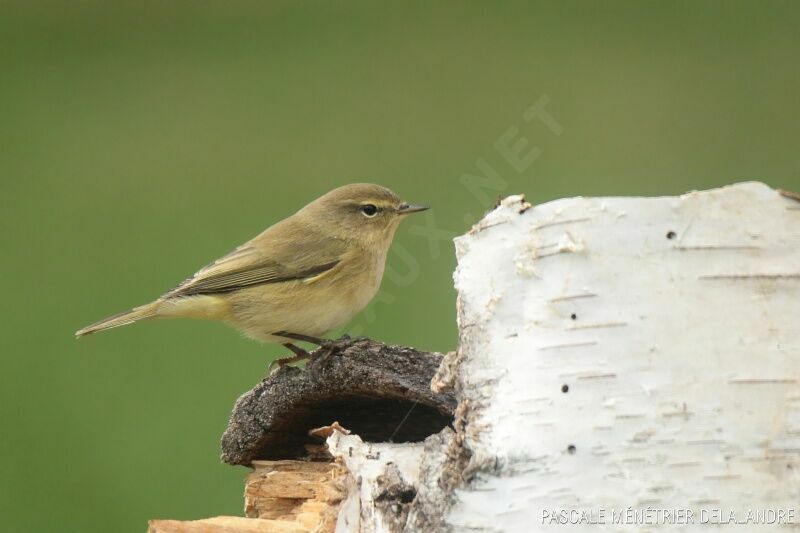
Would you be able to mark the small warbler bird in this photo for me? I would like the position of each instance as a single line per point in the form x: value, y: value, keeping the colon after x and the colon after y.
x: 299, y: 279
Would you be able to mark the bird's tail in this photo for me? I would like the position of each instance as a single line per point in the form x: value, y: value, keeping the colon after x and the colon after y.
x: 122, y: 319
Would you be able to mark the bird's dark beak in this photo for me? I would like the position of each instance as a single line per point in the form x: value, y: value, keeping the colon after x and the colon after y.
x: 405, y: 209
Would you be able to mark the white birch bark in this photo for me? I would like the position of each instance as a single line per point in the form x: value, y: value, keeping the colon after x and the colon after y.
x: 632, y: 352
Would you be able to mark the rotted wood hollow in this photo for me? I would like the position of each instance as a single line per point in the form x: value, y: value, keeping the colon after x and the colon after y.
x: 299, y: 482
x: 380, y: 392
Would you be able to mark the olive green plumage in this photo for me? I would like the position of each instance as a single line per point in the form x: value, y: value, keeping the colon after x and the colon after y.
x: 307, y: 274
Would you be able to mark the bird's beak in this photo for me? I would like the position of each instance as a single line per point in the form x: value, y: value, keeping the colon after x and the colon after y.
x: 406, y: 209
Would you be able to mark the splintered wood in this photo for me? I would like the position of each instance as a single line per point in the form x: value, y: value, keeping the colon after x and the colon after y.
x: 304, y: 492
x: 224, y: 524
x: 280, y: 496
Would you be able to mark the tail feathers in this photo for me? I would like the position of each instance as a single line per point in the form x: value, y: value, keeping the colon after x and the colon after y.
x: 121, y: 319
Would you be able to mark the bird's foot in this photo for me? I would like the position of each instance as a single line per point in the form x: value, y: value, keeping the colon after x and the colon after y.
x: 319, y: 358
x: 277, y: 364
x: 334, y: 346
x: 326, y: 344
x: 322, y: 357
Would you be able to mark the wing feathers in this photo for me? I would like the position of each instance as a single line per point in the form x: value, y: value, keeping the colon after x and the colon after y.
x: 292, y: 249
x: 235, y: 280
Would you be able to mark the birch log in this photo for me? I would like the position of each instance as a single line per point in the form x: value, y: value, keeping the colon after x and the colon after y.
x: 631, y: 353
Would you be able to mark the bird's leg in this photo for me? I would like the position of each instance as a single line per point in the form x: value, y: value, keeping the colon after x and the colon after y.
x: 299, y: 355
x: 303, y: 338
x: 327, y: 347
x: 325, y: 343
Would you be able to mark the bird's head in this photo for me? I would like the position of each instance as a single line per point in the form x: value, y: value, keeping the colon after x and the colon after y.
x: 362, y: 212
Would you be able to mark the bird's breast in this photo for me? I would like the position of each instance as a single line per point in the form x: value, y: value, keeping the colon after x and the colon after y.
x: 359, y: 280
x: 311, y: 307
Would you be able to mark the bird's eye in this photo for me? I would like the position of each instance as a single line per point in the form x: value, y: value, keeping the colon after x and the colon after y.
x: 369, y: 210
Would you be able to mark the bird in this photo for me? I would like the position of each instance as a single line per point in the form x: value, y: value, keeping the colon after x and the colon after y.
x: 298, y: 280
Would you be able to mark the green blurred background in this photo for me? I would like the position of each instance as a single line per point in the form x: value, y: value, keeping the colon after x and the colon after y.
x: 141, y: 140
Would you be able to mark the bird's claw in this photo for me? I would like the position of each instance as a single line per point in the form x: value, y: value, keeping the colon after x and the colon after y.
x: 277, y: 364
x: 274, y: 367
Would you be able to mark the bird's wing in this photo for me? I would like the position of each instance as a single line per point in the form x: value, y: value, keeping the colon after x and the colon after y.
x: 272, y: 257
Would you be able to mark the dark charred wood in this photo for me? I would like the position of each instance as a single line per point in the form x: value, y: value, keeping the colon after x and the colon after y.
x: 380, y: 392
